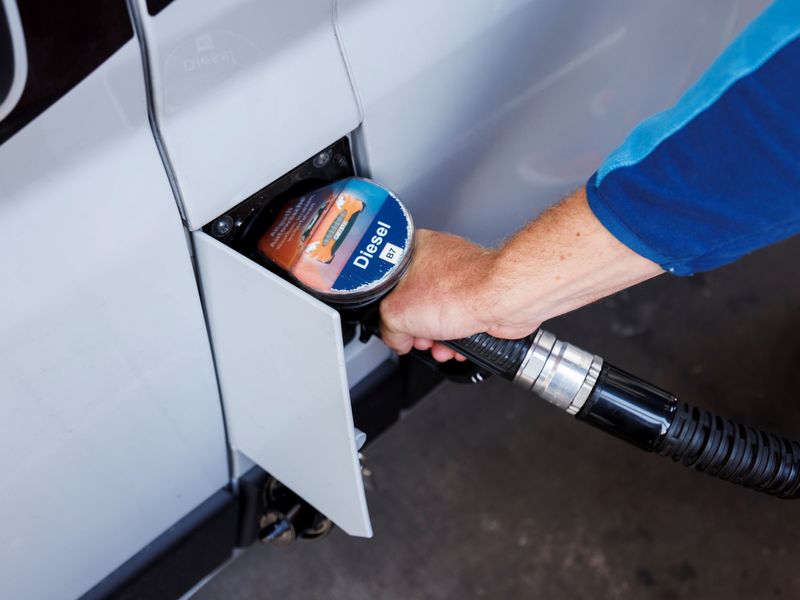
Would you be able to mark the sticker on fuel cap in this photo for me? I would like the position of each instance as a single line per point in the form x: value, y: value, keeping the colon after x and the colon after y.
x: 344, y: 241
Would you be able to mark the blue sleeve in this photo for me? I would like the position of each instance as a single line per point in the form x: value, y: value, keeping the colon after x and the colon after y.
x: 718, y: 175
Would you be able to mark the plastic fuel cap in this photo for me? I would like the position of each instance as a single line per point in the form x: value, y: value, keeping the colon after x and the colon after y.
x: 347, y: 243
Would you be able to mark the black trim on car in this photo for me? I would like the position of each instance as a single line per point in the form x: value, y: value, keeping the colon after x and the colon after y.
x: 6, y: 56
x: 178, y: 559
x: 65, y: 41
x: 395, y: 386
x: 156, y: 6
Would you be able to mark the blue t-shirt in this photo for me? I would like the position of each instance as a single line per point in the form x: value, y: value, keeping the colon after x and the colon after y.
x: 717, y: 175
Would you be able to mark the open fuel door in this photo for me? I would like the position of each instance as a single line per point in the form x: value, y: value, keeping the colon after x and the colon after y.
x: 242, y: 92
x: 281, y: 369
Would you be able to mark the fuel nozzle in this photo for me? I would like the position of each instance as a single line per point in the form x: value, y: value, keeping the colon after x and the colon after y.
x: 351, y: 241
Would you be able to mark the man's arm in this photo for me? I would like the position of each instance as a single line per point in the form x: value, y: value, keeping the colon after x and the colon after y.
x: 692, y: 188
x: 557, y: 263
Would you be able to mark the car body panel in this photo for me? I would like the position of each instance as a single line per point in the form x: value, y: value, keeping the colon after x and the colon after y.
x: 244, y: 90
x: 112, y: 427
x: 481, y: 114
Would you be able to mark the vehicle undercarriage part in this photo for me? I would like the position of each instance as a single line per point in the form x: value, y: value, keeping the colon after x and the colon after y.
x: 305, y: 244
x: 274, y: 514
x: 285, y: 516
x: 289, y: 517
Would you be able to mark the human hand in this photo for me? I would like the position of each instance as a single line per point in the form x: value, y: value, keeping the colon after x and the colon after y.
x: 436, y: 298
x: 445, y: 295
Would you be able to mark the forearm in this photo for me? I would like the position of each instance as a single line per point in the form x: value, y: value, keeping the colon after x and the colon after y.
x: 557, y: 263
x: 454, y: 288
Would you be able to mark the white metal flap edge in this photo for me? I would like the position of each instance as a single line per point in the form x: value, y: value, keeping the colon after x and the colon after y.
x: 281, y: 368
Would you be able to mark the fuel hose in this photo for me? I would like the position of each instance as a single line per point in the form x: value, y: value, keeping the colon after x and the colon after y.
x: 638, y: 412
x: 350, y: 242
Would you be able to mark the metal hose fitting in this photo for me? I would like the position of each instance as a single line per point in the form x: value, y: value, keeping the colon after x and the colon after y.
x: 559, y: 372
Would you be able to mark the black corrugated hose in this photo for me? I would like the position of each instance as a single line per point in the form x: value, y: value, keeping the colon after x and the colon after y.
x: 501, y: 357
x: 734, y: 452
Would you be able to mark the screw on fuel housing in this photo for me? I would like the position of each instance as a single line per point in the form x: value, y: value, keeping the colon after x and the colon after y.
x: 350, y: 242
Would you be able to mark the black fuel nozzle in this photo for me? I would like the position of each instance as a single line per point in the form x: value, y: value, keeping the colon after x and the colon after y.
x: 498, y: 356
x: 474, y: 370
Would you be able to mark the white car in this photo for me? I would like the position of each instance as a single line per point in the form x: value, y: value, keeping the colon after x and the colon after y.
x: 151, y: 373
